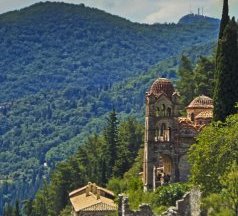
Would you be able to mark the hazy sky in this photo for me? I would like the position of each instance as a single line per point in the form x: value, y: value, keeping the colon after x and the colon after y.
x: 143, y: 11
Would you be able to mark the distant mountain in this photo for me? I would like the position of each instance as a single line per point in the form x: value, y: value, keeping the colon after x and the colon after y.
x: 62, y: 69
x: 198, y: 19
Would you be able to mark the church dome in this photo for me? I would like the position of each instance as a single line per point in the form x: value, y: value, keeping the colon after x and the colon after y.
x: 201, y: 102
x: 162, y: 85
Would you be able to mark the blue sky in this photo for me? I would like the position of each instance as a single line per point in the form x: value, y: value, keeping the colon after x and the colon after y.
x: 143, y: 11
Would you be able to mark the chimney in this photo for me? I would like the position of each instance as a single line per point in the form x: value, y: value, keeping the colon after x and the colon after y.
x: 87, y: 190
x: 98, y: 193
x: 94, y: 188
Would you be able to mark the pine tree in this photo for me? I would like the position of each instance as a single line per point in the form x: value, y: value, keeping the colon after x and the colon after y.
x: 111, y: 142
x: 17, y: 209
x: 8, y: 210
x: 130, y: 140
x: 27, y: 207
x: 204, y: 76
x: 226, y: 92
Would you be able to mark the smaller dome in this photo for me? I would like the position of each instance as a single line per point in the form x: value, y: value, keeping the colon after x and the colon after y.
x: 162, y: 85
x: 201, y: 102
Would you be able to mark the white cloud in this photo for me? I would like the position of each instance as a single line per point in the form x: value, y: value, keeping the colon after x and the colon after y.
x: 148, y: 11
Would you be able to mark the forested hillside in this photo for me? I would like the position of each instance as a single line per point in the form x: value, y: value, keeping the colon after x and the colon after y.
x: 64, y: 67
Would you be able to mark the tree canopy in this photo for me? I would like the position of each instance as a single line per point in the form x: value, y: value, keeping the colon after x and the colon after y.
x: 213, y: 154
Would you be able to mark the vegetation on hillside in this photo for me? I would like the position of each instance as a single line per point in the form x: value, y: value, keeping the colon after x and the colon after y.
x: 108, y: 159
x: 89, y: 164
x: 214, y: 160
x: 131, y: 185
x: 63, y: 68
x: 195, y: 80
x: 214, y: 157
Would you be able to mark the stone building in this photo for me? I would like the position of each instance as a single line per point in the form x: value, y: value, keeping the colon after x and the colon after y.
x: 168, y: 136
x: 92, y: 200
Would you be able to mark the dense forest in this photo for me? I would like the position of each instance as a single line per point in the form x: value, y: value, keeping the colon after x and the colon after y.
x: 64, y: 67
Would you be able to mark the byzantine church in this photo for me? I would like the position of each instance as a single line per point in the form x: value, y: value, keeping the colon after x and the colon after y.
x: 168, y: 136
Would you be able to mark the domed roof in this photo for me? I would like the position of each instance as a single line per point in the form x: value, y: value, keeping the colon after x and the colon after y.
x: 162, y: 85
x: 201, y: 102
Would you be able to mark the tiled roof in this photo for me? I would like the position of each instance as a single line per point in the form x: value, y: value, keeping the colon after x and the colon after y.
x: 201, y: 102
x: 92, y: 198
x: 205, y: 114
x: 83, y: 189
x: 92, y: 203
x: 162, y: 85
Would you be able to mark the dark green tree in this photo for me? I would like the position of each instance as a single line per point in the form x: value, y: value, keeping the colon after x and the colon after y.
x: 226, y: 93
x: 17, y: 209
x: 213, y: 154
x: 225, y: 18
x: 224, y: 21
x: 204, y: 76
x: 185, y: 84
x: 130, y: 138
x: 27, y: 207
x: 8, y: 210
x: 111, y: 142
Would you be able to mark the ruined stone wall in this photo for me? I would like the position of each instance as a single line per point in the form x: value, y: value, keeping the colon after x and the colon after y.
x: 189, y: 205
x: 124, y: 208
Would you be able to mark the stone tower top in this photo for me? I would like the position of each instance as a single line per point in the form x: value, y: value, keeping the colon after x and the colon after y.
x: 162, y: 85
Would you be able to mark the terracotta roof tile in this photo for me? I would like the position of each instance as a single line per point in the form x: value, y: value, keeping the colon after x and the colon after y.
x: 92, y: 198
x: 162, y: 85
x: 205, y: 114
x: 201, y: 102
x: 83, y: 202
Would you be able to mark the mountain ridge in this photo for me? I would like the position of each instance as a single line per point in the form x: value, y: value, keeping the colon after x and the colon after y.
x: 198, y: 19
x: 63, y: 70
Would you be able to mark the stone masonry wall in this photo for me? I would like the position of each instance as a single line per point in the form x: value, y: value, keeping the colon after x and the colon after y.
x: 124, y: 208
x: 189, y: 205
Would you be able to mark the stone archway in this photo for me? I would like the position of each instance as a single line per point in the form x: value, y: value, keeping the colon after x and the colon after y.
x: 166, y: 163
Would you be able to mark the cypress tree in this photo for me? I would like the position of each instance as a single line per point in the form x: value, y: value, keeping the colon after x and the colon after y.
x: 225, y: 18
x: 226, y: 91
x: 224, y: 21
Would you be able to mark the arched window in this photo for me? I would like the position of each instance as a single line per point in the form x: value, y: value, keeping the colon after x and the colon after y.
x: 157, y: 112
x: 156, y: 134
x: 192, y: 116
x: 169, y: 112
x: 163, y: 109
x: 169, y: 137
x: 162, y: 129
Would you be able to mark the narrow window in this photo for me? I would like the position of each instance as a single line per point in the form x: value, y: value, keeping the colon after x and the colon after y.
x: 163, y: 109
x: 169, y: 112
x: 162, y: 129
x: 157, y: 112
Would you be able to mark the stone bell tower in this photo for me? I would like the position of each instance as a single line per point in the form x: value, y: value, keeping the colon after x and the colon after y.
x: 169, y: 136
x: 161, y: 128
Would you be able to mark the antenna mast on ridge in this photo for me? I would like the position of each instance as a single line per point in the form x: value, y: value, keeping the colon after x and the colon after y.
x: 190, y: 7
